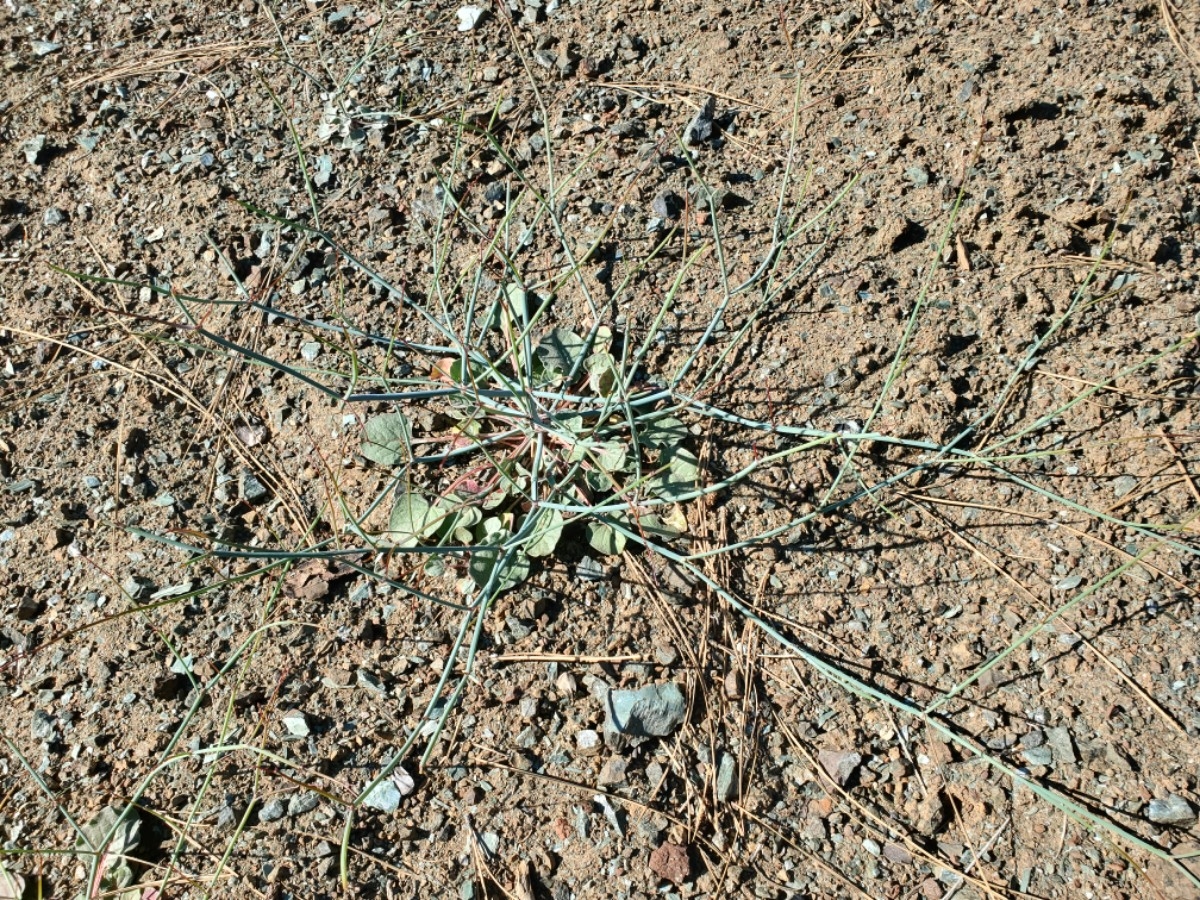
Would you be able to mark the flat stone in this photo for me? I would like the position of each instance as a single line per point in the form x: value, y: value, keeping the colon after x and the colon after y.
x: 1059, y: 741
x: 304, y: 802
x: 727, y: 780
x: 587, y: 742
x: 653, y: 711
x: 1174, y: 811
x: 840, y: 764
x: 296, y: 723
x: 272, y: 810
x: 385, y: 797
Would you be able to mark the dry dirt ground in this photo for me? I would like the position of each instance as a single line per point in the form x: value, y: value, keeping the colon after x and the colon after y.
x: 988, y: 680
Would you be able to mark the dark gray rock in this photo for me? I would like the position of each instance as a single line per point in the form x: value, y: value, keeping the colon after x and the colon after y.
x: 1174, y: 811
x: 652, y: 711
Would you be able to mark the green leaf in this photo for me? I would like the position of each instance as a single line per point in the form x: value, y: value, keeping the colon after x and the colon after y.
x: 666, y: 527
x: 602, y: 373
x: 610, y: 456
x: 412, y: 520
x: 454, y: 519
x: 681, y: 476
x: 518, y: 301
x: 435, y: 566
x: 560, y: 349
x: 605, y: 539
x: 571, y: 422
x: 665, y: 432
x: 484, y: 561
x: 387, y: 440
x: 546, y: 533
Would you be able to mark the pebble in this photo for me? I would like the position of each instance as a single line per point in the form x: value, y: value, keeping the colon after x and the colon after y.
x: 654, y: 711
x: 587, y: 742
x: 310, y: 350
x: 1070, y: 583
x: 670, y: 861
x: 1060, y: 744
x: 613, y: 771
x: 840, y: 764
x: 872, y: 847
x: 727, y: 780
x: 252, y: 489
x: 296, y: 724
x: 53, y: 216
x: 33, y: 147
x: 1038, y: 756
x: 18, y: 487
x: 271, y: 810
x: 43, y: 726
x: 1124, y: 485
x: 44, y: 48
x: 385, y: 796
x: 304, y: 802
x: 1175, y: 810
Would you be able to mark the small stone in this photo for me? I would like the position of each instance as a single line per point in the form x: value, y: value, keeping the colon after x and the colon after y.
x: 19, y: 487
x: 1069, y: 583
x: 588, y: 569
x: 1060, y: 744
x: 727, y: 780
x: 385, y: 797
x: 841, y: 765
x: 918, y: 175
x: 33, y: 148
x: 53, y: 216
x: 897, y: 854
x: 310, y: 350
x: 653, y: 711
x: 304, y: 802
x: 43, y: 727
x: 44, y: 48
x: 29, y: 607
x: 666, y: 205
x: 613, y: 771
x: 468, y: 17
x: 272, y: 810
x: 369, y: 681
x: 872, y: 846
x: 700, y: 129
x: 1038, y: 756
x: 1174, y: 811
x: 491, y: 74
x: 253, y: 490
x: 1124, y: 485
x: 296, y: 724
x: 227, y: 817
x: 670, y: 862
x: 587, y: 742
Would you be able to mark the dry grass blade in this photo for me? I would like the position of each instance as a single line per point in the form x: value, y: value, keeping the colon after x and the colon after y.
x: 204, y: 57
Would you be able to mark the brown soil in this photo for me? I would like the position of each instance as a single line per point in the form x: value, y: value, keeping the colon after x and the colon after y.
x: 152, y: 145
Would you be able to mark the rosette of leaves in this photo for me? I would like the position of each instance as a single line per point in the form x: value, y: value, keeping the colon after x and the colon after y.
x: 591, y: 456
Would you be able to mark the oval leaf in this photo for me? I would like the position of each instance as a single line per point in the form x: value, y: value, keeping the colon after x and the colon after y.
x: 605, y: 539
x: 412, y: 519
x: 387, y: 439
x: 560, y: 350
x: 545, y: 533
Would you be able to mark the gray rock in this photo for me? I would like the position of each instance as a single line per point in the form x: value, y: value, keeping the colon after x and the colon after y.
x: 33, y: 147
x: 44, y: 48
x: 613, y: 771
x: 1124, y: 485
x: 653, y: 711
x: 385, y: 797
x: 53, y: 216
x: 368, y: 680
x: 296, y: 723
x: 310, y: 350
x: 253, y: 490
x: 666, y: 205
x: 1038, y: 756
x: 840, y: 764
x: 304, y: 802
x: 727, y: 780
x: 918, y: 175
x: 1174, y: 811
x: 589, y: 569
x: 700, y: 129
x: 271, y: 810
x: 1060, y: 744
x: 43, y: 727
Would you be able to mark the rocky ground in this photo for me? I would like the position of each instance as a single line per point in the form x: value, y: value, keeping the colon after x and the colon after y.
x: 1004, y: 192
